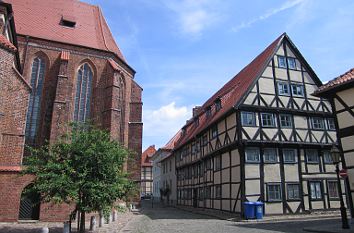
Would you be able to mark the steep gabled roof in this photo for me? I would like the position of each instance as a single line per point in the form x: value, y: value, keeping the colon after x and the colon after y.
x: 234, y: 91
x: 42, y: 19
x: 146, y: 156
x: 339, y: 82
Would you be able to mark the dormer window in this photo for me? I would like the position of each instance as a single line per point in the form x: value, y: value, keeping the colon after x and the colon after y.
x: 196, y: 121
x: 208, y: 112
x: 217, y: 105
x: 67, y: 21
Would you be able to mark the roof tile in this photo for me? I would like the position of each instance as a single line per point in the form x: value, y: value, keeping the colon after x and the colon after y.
x: 147, y: 154
x: 230, y: 94
x: 41, y: 19
x: 339, y: 81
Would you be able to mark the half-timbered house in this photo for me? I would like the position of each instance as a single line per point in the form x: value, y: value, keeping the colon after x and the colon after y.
x: 340, y: 93
x: 261, y: 137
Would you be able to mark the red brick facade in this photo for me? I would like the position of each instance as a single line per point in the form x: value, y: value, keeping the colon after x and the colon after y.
x: 116, y: 105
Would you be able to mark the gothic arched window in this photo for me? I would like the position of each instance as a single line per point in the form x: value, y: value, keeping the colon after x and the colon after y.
x: 34, y: 106
x: 83, y: 93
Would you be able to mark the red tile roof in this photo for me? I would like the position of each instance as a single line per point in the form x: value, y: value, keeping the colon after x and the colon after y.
x: 340, y: 81
x: 146, y: 156
x: 42, y: 18
x: 10, y: 168
x: 231, y: 93
x: 5, y: 43
x: 171, y: 143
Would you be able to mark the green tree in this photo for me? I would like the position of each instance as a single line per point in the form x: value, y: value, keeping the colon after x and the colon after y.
x: 84, y: 167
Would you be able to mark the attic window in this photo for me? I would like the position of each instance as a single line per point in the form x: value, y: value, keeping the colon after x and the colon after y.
x: 217, y: 104
x: 196, y: 121
x: 208, y: 111
x: 67, y: 21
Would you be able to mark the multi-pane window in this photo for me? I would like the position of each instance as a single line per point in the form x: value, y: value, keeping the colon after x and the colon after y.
x: 207, y: 164
x: 252, y: 155
x: 217, y: 163
x: 281, y: 62
x: 330, y: 124
x: 248, y: 118
x: 291, y: 63
x: 214, y: 131
x: 273, y: 192
x: 283, y: 88
x: 34, y: 105
x: 289, y: 155
x: 333, y: 189
x: 267, y: 119
x: 327, y: 158
x: 83, y: 93
x: 270, y: 155
x: 218, y: 191
x: 293, y: 191
x: 285, y: 121
x: 315, y: 190
x: 297, y: 89
x: 317, y: 123
x: 312, y: 156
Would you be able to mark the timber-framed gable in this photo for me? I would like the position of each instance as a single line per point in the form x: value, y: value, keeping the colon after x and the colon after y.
x: 261, y: 137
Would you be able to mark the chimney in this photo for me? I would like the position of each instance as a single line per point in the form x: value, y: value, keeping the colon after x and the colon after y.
x: 196, y: 110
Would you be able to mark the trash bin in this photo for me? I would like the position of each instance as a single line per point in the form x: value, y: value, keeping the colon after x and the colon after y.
x: 249, y: 210
x: 258, y: 206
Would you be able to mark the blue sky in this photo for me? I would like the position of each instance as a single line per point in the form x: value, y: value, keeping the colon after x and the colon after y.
x: 185, y: 50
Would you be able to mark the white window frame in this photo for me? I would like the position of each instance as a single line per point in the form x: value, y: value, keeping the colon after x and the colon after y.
x: 289, y: 124
x: 294, y: 154
x: 331, y: 125
x: 327, y: 158
x: 245, y: 118
x: 270, y: 155
x: 297, y: 89
x: 292, y: 65
x: 264, y: 115
x: 316, y: 194
x: 255, y: 155
x: 282, y: 90
x: 283, y: 63
x: 317, y: 123
x: 277, y: 197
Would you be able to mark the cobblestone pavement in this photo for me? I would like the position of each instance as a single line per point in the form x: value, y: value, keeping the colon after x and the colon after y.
x: 171, y: 220
x: 113, y: 227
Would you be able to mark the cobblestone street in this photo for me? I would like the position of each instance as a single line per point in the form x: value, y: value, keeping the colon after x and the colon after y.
x: 171, y: 220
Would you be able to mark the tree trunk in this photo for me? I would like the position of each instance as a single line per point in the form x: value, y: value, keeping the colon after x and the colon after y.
x: 82, y: 222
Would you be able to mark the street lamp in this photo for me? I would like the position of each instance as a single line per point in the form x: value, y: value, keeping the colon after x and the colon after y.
x: 335, y: 154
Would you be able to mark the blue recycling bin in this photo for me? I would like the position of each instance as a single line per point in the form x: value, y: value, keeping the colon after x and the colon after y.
x: 249, y: 210
x: 258, y: 209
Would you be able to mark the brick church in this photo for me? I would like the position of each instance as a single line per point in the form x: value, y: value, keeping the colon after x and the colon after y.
x: 59, y: 63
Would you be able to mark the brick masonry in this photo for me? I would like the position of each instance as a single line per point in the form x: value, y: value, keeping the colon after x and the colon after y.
x: 120, y: 116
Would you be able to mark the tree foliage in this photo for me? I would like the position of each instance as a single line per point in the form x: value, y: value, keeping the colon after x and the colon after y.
x: 84, y: 167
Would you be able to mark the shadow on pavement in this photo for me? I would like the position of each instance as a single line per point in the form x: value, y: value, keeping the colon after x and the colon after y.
x: 290, y: 226
x: 160, y: 211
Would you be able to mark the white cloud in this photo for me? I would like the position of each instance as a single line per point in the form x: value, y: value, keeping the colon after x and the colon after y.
x: 194, y: 16
x: 165, y: 121
x: 287, y: 5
